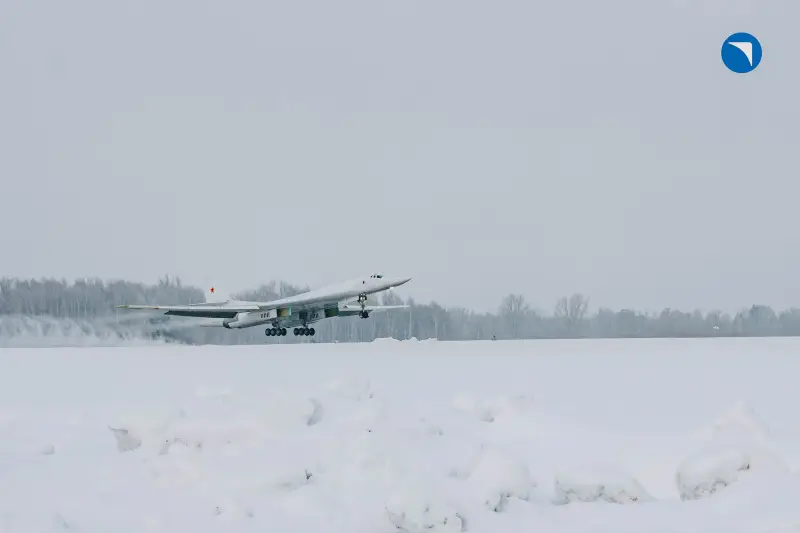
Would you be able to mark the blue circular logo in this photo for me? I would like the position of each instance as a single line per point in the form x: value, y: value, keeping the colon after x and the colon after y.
x: 741, y: 53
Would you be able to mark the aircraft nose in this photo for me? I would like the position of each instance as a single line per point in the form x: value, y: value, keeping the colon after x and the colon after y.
x: 401, y: 281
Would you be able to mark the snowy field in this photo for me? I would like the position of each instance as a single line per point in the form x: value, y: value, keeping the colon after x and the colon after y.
x: 540, y: 436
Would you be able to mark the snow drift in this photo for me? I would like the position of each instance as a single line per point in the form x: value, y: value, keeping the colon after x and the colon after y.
x: 382, y: 437
x: 735, y: 444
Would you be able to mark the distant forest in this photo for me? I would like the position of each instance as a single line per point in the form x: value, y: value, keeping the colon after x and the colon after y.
x: 89, y: 305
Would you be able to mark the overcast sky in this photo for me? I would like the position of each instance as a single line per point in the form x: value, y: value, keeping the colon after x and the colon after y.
x: 481, y: 147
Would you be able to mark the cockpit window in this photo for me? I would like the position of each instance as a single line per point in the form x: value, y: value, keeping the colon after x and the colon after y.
x: 379, y: 276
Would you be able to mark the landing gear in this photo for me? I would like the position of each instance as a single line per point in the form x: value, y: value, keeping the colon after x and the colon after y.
x: 362, y: 299
x: 275, y: 332
x: 304, y: 331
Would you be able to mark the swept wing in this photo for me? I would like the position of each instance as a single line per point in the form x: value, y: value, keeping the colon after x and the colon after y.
x: 225, y: 310
x: 355, y: 309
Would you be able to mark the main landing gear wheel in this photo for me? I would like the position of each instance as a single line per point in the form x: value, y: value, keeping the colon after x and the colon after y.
x: 304, y: 331
x: 275, y: 332
x: 362, y: 299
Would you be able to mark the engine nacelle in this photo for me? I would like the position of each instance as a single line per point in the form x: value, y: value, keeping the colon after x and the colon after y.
x: 249, y: 319
x: 237, y: 322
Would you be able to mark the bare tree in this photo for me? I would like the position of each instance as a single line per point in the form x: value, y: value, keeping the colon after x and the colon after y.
x: 571, y: 312
x: 41, y: 305
x: 513, y: 311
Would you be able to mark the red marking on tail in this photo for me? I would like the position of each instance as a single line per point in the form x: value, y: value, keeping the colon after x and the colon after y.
x: 212, y: 290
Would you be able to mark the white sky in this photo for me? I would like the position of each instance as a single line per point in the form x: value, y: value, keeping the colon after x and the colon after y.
x: 480, y: 147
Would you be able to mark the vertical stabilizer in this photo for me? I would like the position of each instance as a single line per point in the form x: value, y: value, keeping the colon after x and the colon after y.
x: 214, y: 295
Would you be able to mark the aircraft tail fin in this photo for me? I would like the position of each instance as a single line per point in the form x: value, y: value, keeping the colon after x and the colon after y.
x: 215, y: 296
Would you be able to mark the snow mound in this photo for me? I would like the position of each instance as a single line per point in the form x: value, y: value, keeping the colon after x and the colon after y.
x: 708, y: 471
x: 595, y: 484
x: 499, y: 475
x: 734, y: 444
x: 415, y: 509
x: 226, y: 440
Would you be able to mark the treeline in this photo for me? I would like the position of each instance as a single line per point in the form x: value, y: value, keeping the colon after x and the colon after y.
x: 94, y: 302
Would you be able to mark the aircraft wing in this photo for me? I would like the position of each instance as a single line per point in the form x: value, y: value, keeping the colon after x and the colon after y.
x: 231, y: 308
x: 198, y: 310
x: 348, y: 309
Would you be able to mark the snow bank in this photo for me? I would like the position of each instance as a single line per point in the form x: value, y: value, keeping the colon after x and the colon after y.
x: 599, y: 484
x: 416, y: 509
x: 735, y: 444
x: 498, y: 475
x: 255, y: 439
x: 708, y: 471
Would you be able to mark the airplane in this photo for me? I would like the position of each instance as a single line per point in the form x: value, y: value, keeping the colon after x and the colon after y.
x: 347, y: 298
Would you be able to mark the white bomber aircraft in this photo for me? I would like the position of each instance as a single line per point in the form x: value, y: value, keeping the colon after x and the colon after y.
x: 342, y: 299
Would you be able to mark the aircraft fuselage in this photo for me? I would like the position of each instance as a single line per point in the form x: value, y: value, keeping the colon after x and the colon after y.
x: 312, y: 306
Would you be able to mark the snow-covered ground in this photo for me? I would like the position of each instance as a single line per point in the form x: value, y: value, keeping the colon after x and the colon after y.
x: 546, y: 436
